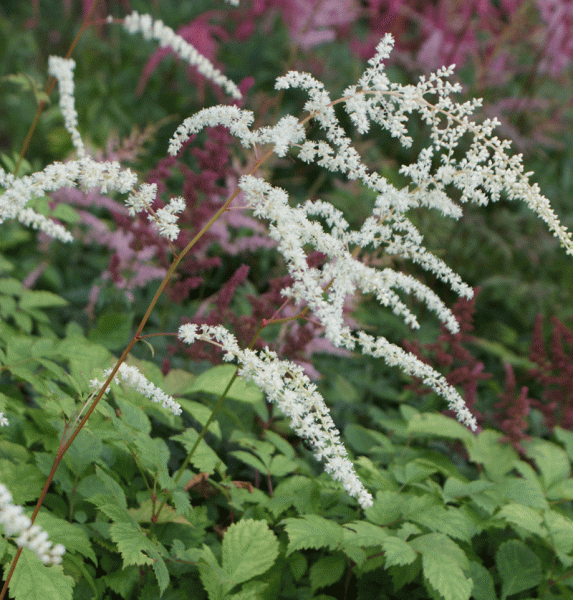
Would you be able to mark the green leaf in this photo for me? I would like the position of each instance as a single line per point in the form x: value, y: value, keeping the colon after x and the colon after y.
x: 32, y: 580
x: 83, y: 452
x: 443, y: 564
x: 312, y: 531
x: 153, y: 453
x: 518, y: 567
x: 397, y: 552
x: 132, y: 414
x: 362, y: 533
x: 66, y: 213
x: 496, y: 458
x: 250, y: 460
x: 10, y: 286
x: 249, y: 549
x: 213, y: 577
x: 386, y: 509
x: 451, y: 521
x: 200, y: 413
x: 204, y: 458
x: 326, y: 571
x: 560, y: 530
x: 436, y: 425
x: 551, y: 460
x: 524, y: 491
x: 524, y: 517
x: 483, y: 588
x: 137, y: 549
x: 455, y: 489
x: 40, y: 299
x: 216, y: 380
x: 562, y: 490
x: 71, y: 535
x: 113, y: 330
x: 123, y: 581
x: 24, y: 480
x: 114, y: 511
x: 112, y: 486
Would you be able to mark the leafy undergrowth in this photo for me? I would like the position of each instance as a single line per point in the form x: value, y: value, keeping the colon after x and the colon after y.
x: 456, y: 514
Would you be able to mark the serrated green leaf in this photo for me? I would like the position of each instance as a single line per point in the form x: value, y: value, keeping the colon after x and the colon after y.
x: 281, y: 466
x: 386, y: 509
x: 134, y: 547
x: 114, y: 511
x: 200, y: 413
x: 551, y: 460
x: 145, y: 514
x: 455, y: 488
x: 362, y: 533
x: 24, y: 480
x: 132, y: 414
x: 451, y: 521
x: 123, y: 581
x: 437, y: 425
x: 483, y: 584
x: 250, y: 548
x: 524, y: 491
x: 83, y: 453
x: 312, y: 531
x: 326, y: 571
x: 216, y: 379
x: 32, y: 580
x: 40, y: 299
x: 71, y: 535
x: 213, y: 577
x: 496, y: 458
x: 204, y: 458
x: 443, y: 563
x: 153, y: 453
x: 253, y: 590
x: 137, y: 549
x: 518, y: 567
x: 250, y: 460
x: 524, y: 517
x: 112, y: 486
x: 560, y: 532
x: 397, y: 552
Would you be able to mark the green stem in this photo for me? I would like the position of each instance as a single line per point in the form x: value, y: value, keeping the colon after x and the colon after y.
x: 201, y: 436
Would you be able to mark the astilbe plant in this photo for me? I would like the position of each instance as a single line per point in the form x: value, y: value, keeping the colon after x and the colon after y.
x: 480, y: 171
x: 554, y: 371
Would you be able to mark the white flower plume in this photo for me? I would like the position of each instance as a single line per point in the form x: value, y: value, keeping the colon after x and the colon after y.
x: 296, y: 396
x: 33, y: 537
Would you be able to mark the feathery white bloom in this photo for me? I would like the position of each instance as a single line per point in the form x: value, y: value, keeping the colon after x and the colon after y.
x: 87, y: 174
x: 132, y: 377
x: 234, y: 118
x: 33, y: 537
x: 151, y: 29
x: 63, y: 70
x: 287, y: 132
x: 3, y: 420
x: 296, y: 396
x: 166, y: 218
